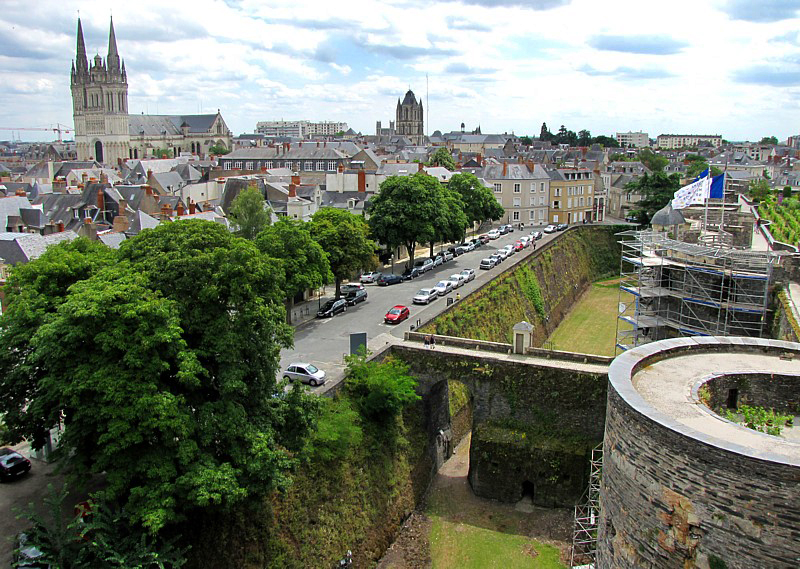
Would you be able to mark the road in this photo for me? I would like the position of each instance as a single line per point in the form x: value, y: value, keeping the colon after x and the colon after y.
x: 324, y: 342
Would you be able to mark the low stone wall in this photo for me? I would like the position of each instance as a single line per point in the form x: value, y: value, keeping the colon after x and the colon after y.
x: 771, y: 391
x: 785, y: 326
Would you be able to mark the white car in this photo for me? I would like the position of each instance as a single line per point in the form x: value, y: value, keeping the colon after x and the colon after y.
x: 510, y: 250
x: 525, y: 240
x: 503, y: 253
x: 425, y: 295
x: 468, y: 274
x: 493, y: 234
x: 307, y: 373
x: 488, y: 263
x: 550, y: 229
x: 457, y: 280
x: 443, y: 287
x: 370, y: 277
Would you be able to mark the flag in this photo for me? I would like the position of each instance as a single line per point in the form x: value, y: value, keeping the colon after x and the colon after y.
x: 718, y: 186
x: 695, y: 193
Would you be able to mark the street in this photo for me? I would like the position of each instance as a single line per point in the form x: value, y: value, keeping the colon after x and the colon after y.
x: 325, y: 341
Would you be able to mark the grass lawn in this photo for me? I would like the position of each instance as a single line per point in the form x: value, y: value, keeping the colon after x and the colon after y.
x: 590, y: 327
x: 462, y: 546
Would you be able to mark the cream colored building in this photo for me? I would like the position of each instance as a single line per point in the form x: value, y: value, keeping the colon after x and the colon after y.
x: 572, y: 195
x: 521, y: 188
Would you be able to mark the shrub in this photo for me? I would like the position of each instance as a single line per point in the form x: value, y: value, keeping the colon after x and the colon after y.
x: 337, y: 431
x: 380, y: 390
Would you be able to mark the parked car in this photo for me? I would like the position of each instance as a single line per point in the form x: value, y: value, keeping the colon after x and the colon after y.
x: 503, y: 229
x: 425, y: 295
x: 424, y: 265
x: 370, y: 277
x: 345, y: 288
x: 12, y: 464
x: 518, y: 246
x: 487, y: 263
x: 458, y: 280
x: 468, y: 274
x: 27, y: 555
x: 461, y: 249
x: 397, y: 314
x: 307, y: 373
x: 446, y: 255
x: 526, y: 240
x: 437, y: 261
x: 443, y: 287
x: 456, y: 251
x: 502, y: 253
x: 510, y: 250
x: 332, y: 307
x: 467, y: 245
x: 476, y: 243
x: 493, y: 234
x: 355, y: 296
x: 537, y: 235
x: 411, y: 273
x: 484, y: 238
x: 386, y: 280
x: 550, y: 229
x: 561, y: 226
x: 632, y: 218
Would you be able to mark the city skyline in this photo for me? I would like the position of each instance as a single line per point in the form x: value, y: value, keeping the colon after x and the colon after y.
x: 711, y: 67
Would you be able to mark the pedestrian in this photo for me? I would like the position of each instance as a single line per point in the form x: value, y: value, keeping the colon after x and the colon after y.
x: 427, y: 340
x: 458, y: 296
x: 534, y: 244
x: 433, y: 342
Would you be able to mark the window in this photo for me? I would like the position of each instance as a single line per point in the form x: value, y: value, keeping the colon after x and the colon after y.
x: 268, y: 164
x: 557, y: 193
x: 517, y: 188
x: 237, y: 165
x: 555, y: 218
x: 226, y: 166
x: 541, y: 215
x: 248, y: 166
x: 517, y: 202
x: 533, y: 187
x: 498, y: 188
x: 320, y: 166
x: 308, y: 165
x: 541, y: 187
x: 533, y: 201
x: 580, y: 204
x: 515, y: 216
x: 556, y: 204
x: 331, y: 166
x: 541, y: 200
x: 569, y: 203
x: 531, y: 215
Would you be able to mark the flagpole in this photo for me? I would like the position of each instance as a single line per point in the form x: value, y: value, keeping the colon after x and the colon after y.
x: 707, y: 197
x: 724, y: 175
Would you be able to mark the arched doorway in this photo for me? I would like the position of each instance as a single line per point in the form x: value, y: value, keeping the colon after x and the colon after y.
x: 450, y: 414
x: 98, y: 151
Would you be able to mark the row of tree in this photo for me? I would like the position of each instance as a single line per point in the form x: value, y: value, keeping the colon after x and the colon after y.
x: 582, y: 138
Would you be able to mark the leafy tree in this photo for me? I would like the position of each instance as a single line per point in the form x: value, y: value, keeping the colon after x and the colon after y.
x: 786, y: 192
x: 654, y: 162
x: 249, y: 213
x: 526, y: 140
x: 305, y: 264
x: 758, y: 190
x: 451, y: 223
x: 406, y: 210
x: 606, y: 141
x: 218, y: 149
x: 769, y: 140
x: 618, y: 157
x: 657, y: 190
x: 380, y: 390
x: 344, y: 237
x: 479, y: 201
x: 584, y: 138
x: 441, y: 157
x: 337, y: 431
x: 163, y: 366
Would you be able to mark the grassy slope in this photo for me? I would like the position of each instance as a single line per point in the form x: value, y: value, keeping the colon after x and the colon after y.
x: 590, y: 327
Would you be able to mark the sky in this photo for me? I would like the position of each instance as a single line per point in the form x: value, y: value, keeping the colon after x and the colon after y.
x: 727, y: 67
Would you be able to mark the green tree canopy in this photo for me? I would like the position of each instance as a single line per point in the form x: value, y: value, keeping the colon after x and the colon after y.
x: 605, y: 141
x: 759, y: 190
x: 770, y: 140
x: 479, y: 201
x: 162, y: 365
x: 657, y: 190
x: 304, y: 262
x: 584, y: 138
x: 249, y: 213
x: 218, y: 149
x: 452, y: 222
x: 442, y: 157
x: 526, y: 140
x: 654, y: 162
x: 344, y: 236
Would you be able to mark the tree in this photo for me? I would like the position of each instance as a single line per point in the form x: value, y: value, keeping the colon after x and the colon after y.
x: 380, y: 390
x: 758, y: 190
x: 769, y: 140
x: 526, y: 140
x: 479, y: 201
x: 218, y: 149
x: 606, y: 141
x: 654, y: 162
x: 786, y: 192
x: 657, y: 190
x: 345, y: 238
x: 305, y: 264
x: 584, y: 138
x: 618, y: 157
x: 249, y: 213
x: 406, y: 210
x: 163, y: 367
x: 451, y: 223
x: 441, y: 157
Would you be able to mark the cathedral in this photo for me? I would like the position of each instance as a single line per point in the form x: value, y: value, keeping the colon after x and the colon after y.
x: 410, y: 123
x: 104, y: 131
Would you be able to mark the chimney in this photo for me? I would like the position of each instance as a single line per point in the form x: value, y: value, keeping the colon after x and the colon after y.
x: 340, y: 168
x: 420, y: 166
x: 166, y: 210
x: 149, y: 176
x: 20, y: 192
x: 479, y: 160
x: 192, y: 207
x: 147, y: 190
x: 123, y: 205
x: 121, y: 224
x: 103, y: 178
x: 88, y: 229
x: 101, y: 202
x: 292, y: 190
x: 505, y: 168
x: 362, y: 181
x: 60, y: 227
x: 84, y: 177
x: 296, y: 179
x: 179, y: 210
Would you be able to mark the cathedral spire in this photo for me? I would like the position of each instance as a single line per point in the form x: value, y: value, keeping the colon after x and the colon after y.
x: 112, y: 60
x: 81, y: 62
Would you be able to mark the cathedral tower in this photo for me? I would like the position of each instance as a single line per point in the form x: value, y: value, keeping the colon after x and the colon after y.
x: 410, y: 119
x: 100, y: 103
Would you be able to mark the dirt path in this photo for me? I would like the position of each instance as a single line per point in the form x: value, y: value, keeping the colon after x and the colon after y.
x: 451, y: 498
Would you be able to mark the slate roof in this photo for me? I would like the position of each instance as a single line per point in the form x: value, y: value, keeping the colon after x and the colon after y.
x: 305, y: 152
x: 22, y: 247
x: 157, y: 125
x: 10, y: 207
x: 111, y: 239
x: 514, y: 171
x: 409, y: 99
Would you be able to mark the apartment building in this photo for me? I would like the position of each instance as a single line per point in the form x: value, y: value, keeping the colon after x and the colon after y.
x: 572, y: 195
x: 521, y: 188
x: 672, y: 141
x: 299, y: 129
x: 633, y: 139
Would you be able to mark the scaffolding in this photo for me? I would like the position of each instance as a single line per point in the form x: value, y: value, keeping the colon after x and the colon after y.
x: 671, y: 289
x: 587, y: 517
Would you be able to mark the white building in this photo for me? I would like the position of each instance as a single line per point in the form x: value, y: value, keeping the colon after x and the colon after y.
x: 633, y: 139
x: 672, y: 141
x: 300, y: 129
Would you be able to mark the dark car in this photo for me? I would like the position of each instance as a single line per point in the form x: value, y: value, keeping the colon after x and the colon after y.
x: 355, y: 296
x: 12, y: 464
x: 397, y: 314
x: 456, y: 251
x: 332, y: 307
x: 386, y: 280
x: 503, y: 229
x: 345, y: 288
x: 411, y: 273
x: 562, y: 226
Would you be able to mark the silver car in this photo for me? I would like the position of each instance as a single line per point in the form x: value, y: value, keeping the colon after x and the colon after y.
x: 443, y: 287
x: 307, y: 373
x: 425, y: 295
x: 468, y: 274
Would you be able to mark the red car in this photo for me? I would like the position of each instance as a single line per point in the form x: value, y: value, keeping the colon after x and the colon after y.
x: 397, y: 314
x: 518, y: 246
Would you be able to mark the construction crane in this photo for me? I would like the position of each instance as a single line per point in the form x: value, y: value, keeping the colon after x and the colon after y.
x: 59, y: 128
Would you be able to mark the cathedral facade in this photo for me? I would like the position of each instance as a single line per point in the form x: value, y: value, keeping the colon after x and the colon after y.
x: 410, y: 122
x: 104, y: 131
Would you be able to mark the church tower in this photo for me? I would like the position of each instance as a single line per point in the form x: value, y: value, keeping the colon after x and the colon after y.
x: 410, y: 119
x: 100, y: 103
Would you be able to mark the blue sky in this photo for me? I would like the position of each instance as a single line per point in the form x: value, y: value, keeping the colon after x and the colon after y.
x: 729, y: 67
